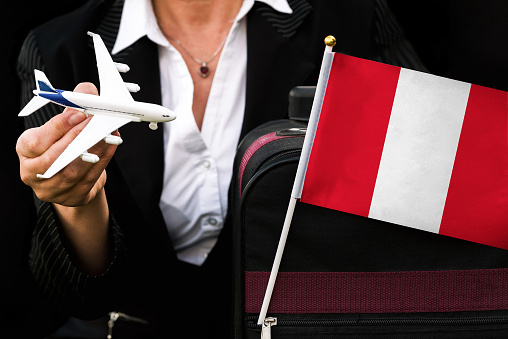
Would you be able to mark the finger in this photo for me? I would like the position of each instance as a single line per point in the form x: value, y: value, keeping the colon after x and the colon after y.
x: 61, y: 124
x: 77, y: 183
x: 86, y: 87
x: 35, y: 142
x: 81, y: 193
x: 78, y: 177
x: 34, y: 159
x: 80, y: 172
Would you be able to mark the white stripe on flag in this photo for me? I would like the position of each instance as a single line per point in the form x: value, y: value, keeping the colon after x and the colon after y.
x: 419, y: 150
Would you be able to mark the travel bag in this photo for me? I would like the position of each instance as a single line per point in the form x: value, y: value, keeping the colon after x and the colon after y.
x: 346, y: 276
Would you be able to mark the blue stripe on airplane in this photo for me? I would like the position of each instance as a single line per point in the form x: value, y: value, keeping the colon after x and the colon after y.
x: 44, y: 87
x: 58, y: 98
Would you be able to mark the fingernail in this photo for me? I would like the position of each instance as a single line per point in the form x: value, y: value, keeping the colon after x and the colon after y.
x: 76, y: 118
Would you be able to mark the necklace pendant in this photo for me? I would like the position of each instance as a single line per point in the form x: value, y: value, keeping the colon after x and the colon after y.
x: 204, y: 71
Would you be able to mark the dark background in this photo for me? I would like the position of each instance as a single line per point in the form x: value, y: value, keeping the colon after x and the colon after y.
x: 460, y: 39
x: 22, y: 312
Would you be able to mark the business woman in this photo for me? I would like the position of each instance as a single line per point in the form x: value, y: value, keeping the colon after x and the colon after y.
x: 146, y: 231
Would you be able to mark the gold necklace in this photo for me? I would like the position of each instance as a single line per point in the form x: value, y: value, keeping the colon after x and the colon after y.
x: 204, y: 70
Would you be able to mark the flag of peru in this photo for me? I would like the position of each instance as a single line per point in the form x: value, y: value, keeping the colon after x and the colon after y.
x: 412, y: 149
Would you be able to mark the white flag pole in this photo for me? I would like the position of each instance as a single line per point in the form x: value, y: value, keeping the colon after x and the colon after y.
x: 326, y: 65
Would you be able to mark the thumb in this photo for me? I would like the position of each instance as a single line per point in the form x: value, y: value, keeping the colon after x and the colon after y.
x: 35, y: 141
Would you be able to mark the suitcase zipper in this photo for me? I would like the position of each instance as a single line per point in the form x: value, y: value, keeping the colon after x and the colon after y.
x: 114, y: 316
x: 263, y: 141
x: 266, y: 328
x: 431, y: 321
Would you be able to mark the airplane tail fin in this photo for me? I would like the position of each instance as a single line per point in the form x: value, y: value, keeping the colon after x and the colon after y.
x: 42, y: 82
x: 43, y: 85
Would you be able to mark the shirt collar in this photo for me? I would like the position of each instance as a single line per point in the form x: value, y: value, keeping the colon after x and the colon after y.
x: 138, y: 20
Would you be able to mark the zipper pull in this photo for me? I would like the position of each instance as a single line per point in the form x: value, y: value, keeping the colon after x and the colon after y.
x: 113, y: 316
x: 266, y: 327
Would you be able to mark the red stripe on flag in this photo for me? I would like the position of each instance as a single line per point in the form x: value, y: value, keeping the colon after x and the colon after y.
x: 476, y: 207
x: 347, y: 149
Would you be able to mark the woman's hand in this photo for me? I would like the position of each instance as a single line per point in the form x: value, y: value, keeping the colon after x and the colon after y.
x: 77, y: 191
x: 79, y: 182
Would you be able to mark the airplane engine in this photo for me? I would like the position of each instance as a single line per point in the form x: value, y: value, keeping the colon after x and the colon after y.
x: 113, y: 140
x: 132, y: 87
x: 122, y: 68
x: 89, y: 157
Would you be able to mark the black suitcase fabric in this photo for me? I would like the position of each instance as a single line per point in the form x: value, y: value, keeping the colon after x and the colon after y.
x: 345, y: 276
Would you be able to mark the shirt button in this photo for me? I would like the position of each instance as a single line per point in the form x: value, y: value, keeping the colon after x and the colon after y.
x: 206, y: 164
x: 212, y: 221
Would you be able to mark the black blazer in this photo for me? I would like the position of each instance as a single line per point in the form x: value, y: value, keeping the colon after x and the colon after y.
x: 145, y: 279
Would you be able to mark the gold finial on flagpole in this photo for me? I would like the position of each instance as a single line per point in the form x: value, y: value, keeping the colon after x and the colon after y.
x: 330, y: 41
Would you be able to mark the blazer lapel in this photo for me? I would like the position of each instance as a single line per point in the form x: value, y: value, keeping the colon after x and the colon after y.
x: 140, y: 158
x: 269, y: 82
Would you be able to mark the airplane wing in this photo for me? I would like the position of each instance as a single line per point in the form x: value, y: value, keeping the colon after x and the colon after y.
x: 111, y: 82
x: 98, y: 127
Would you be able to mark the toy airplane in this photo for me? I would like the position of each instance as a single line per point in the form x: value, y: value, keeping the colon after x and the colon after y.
x: 112, y: 109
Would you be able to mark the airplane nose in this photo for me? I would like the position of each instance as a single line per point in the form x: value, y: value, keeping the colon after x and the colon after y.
x: 168, y: 115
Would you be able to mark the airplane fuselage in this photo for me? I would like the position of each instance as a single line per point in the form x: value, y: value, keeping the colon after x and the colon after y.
x: 89, y: 103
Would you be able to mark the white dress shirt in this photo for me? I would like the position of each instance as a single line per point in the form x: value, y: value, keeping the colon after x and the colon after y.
x: 198, y: 164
